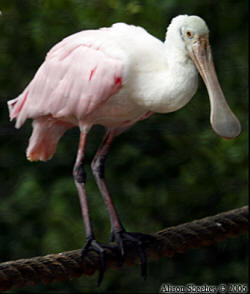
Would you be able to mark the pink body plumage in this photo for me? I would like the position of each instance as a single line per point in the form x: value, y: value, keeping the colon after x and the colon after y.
x: 74, y: 80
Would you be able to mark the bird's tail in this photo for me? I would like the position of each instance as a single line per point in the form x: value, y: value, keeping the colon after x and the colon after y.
x: 15, y: 106
x: 47, y: 131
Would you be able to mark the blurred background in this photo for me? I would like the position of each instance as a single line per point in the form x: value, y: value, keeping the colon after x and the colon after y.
x: 164, y: 171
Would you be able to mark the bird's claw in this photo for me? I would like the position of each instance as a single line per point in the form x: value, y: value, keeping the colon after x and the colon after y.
x: 136, y: 238
x: 122, y: 238
x: 92, y: 244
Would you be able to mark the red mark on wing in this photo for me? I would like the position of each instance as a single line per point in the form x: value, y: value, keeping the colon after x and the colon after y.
x: 92, y: 73
x: 118, y: 81
x: 21, y: 105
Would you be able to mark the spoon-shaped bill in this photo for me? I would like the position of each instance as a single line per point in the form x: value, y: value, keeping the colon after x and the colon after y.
x: 222, y: 119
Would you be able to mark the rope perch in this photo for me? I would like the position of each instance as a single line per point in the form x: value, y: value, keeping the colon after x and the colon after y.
x: 169, y: 241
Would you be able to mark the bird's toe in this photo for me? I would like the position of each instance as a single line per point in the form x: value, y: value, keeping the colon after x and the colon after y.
x: 92, y: 244
x: 124, y: 238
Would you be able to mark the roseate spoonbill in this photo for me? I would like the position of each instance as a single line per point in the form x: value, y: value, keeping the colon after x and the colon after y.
x: 115, y: 77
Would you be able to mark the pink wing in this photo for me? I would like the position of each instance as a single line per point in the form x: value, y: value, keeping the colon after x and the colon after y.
x: 75, y: 78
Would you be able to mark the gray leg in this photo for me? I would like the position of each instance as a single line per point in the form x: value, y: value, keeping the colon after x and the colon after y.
x: 97, y: 166
x: 80, y: 181
x: 118, y: 233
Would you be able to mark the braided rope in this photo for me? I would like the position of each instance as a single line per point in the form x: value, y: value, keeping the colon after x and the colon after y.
x: 167, y: 242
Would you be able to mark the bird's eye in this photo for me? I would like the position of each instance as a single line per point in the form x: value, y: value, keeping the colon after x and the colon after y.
x: 189, y: 34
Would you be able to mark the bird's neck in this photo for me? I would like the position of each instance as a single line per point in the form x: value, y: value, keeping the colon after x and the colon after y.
x: 176, y: 52
x: 176, y: 82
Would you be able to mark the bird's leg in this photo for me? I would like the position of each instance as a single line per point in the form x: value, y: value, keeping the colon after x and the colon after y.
x: 80, y: 181
x: 97, y: 166
x: 118, y: 233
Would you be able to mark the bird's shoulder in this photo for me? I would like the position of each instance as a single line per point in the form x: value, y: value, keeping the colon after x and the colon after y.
x: 102, y: 39
x: 118, y: 41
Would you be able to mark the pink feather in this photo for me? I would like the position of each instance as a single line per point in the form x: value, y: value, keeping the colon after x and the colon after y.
x: 75, y: 79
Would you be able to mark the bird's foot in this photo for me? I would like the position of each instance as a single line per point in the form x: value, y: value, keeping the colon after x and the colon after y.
x: 122, y: 237
x: 92, y: 244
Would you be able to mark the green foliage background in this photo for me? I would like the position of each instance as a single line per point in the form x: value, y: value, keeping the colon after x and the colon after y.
x: 164, y: 171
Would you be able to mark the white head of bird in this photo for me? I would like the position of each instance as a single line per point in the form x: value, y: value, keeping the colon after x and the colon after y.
x: 188, y: 38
